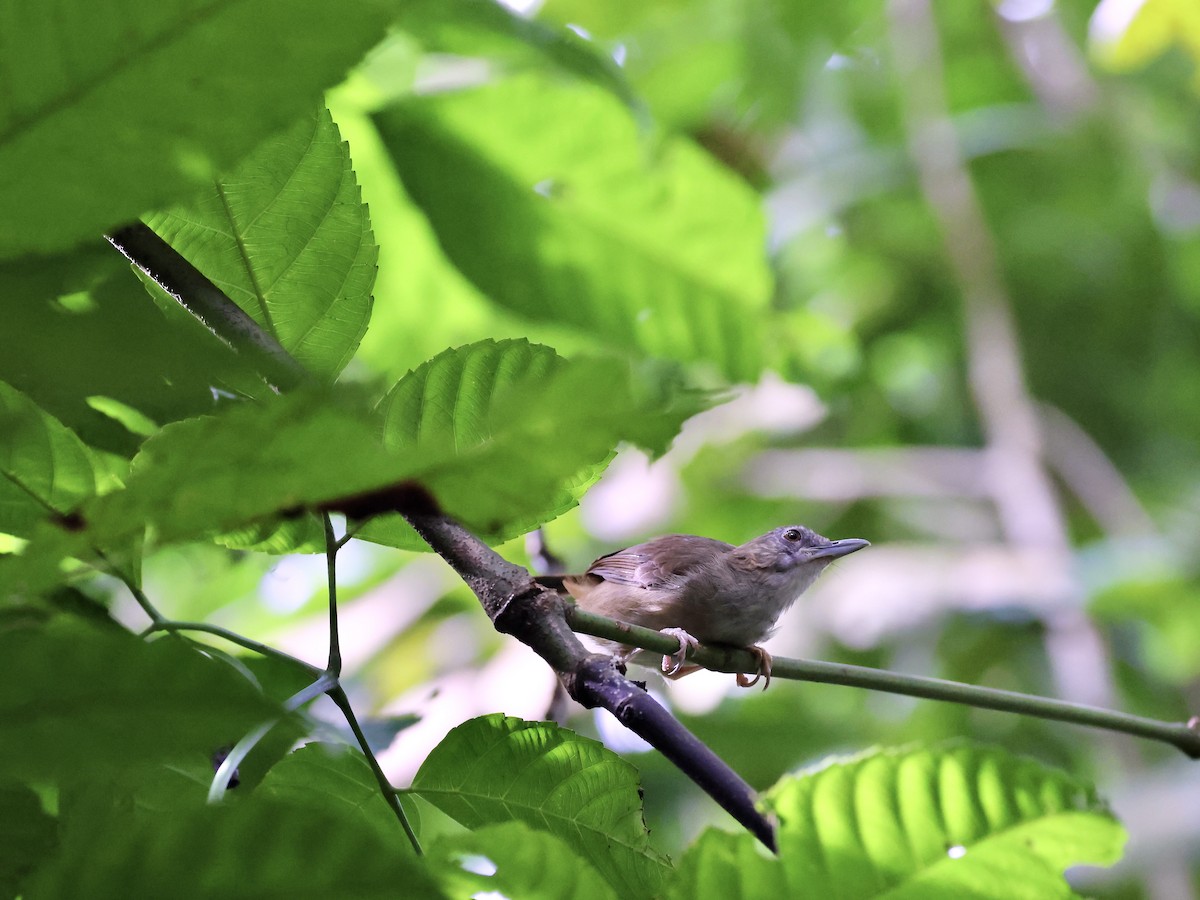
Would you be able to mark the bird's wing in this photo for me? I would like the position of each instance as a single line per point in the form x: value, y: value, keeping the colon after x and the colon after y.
x: 660, y: 563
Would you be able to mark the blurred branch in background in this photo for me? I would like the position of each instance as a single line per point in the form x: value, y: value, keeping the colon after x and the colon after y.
x: 1028, y: 506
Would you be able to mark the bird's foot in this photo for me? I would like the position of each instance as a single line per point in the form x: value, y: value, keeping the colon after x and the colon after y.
x: 764, y: 669
x: 672, y: 664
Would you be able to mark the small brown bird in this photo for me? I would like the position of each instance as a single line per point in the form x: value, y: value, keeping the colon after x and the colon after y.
x: 701, y: 590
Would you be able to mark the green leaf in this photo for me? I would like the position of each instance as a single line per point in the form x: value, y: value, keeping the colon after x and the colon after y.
x: 111, y: 110
x: 255, y: 848
x: 334, y: 777
x: 287, y: 237
x: 44, y: 468
x: 82, y: 702
x: 534, y: 865
x: 949, y: 822
x: 448, y: 403
x: 540, y: 436
x: 218, y: 473
x: 561, y: 210
x: 518, y: 434
x: 494, y: 769
x: 27, y: 834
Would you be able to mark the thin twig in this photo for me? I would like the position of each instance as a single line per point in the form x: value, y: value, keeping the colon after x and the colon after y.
x: 1183, y: 735
x: 157, y: 619
x: 338, y: 696
x: 334, y: 666
x: 234, y: 638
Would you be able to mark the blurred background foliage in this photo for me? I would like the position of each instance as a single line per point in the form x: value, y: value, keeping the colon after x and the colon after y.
x: 979, y: 346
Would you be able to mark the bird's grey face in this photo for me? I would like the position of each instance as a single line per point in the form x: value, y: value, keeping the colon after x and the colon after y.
x: 796, y: 546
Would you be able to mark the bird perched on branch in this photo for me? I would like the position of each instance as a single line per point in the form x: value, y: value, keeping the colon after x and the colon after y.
x: 701, y: 590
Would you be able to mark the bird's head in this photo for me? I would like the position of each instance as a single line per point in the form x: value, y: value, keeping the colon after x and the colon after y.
x: 792, y: 547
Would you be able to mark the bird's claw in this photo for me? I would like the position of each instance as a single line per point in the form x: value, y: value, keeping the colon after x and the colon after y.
x: 672, y: 664
x: 764, y: 669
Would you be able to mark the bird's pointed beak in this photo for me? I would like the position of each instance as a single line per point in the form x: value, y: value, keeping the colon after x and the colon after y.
x: 834, y: 549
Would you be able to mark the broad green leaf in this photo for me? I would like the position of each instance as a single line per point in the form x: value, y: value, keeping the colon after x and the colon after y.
x: 447, y: 403
x: 44, y: 468
x: 522, y: 432
x: 27, y: 834
x: 218, y: 473
x: 82, y: 702
x: 960, y: 821
x: 334, y: 777
x: 561, y: 210
x: 533, y: 865
x: 255, y: 848
x: 112, y: 109
x: 494, y: 769
x: 287, y: 237
x: 308, y: 448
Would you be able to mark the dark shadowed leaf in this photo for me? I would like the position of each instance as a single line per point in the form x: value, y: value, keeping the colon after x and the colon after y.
x: 117, y: 108
x: 256, y: 847
x: 27, y: 834
x: 88, y: 702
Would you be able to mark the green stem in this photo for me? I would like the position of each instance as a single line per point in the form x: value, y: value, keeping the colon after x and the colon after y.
x: 338, y: 695
x: 234, y: 638
x: 334, y: 666
x: 156, y: 618
x: 1183, y: 735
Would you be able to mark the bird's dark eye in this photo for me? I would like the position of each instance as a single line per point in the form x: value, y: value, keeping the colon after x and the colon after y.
x: 792, y: 534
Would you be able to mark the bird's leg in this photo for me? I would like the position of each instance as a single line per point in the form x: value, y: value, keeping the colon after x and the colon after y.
x: 672, y: 665
x: 764, y: 669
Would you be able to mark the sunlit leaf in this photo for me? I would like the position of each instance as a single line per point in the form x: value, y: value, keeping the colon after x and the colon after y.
x: 561, y: 210
x: 522, y: 432
x: 287, y: 237
x: 117, y: 108
x: 952, y: 822
x: 495, y: 769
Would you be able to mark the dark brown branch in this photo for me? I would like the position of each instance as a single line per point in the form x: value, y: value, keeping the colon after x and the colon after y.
x: 537, y: 616
x: 208, y: 303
